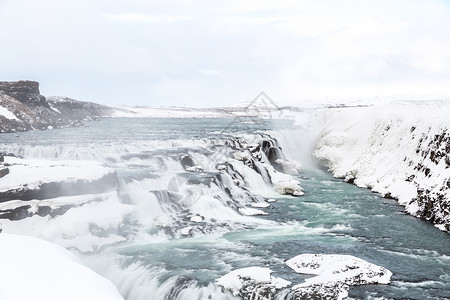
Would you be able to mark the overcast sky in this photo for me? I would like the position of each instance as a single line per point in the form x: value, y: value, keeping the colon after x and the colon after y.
x: 210, y: 53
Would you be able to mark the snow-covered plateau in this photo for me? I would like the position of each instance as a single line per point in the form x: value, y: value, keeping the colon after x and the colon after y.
x: 32, y: 268
x: 399, y: 149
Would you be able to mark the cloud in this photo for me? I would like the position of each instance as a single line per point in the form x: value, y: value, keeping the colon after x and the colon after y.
x: 193, y: 51
x: 136, y: 17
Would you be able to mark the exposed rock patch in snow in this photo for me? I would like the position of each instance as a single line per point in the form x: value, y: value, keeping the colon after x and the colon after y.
x: 252, y: 283
x: 36, y: 269
x: 401, y: 151
x: 334, y: 275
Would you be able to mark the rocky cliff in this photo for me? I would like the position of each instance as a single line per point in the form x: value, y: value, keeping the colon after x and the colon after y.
x: 22, y: 108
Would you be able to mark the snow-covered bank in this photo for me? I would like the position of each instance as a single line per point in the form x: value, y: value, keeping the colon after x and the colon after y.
x: 36, y: 269
x: 401, y: 150
x: 42, y: 179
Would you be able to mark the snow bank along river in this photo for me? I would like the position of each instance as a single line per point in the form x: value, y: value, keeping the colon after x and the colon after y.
x: 217, y: 209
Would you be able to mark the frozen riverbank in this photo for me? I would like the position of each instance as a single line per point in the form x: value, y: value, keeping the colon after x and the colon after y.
x: 401, y: 150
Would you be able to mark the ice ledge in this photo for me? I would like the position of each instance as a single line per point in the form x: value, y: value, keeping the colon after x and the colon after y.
x: 41, y: 179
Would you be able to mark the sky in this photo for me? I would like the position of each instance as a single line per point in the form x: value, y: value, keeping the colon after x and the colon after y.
x: 219, y: 53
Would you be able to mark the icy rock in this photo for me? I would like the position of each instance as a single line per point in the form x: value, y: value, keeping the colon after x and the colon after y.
x: 284, y: 183
x: 334, y: 274
x: 289, y: 188
x: 194, y: 169
x: 248, y: 211
x: 288, y: 167
x: 260, y: 205
x: 4, y: 172
x: 252, y: 283
x: 186, y: 231
x: 196, y: 219
x: 242, y: 156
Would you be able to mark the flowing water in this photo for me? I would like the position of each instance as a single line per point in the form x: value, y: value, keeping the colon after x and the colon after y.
x: 157, y: 260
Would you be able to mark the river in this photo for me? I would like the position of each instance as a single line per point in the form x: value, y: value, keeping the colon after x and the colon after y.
x: 155, y: 261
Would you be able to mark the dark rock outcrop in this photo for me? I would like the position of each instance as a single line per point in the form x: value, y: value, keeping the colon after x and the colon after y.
x: 27, y: 92
x: 29, y: 110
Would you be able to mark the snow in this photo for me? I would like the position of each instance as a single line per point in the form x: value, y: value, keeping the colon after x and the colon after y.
x: 35, y: 269
x: 242, y: 156
x: 196, y: 219
x: 186, y: 230
x: 334, y: 273
x: 260, y: 205
x: 7, y: 113
x: 284, y: 183
x: 169, y: 112
x: 234, y: 280
x: 394, y: 149
x: 89, y: 225
x: 32, y: 173
x: 248, y: 211
x: 242, y: 113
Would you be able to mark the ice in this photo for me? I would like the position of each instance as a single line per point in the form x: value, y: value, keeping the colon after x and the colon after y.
x: 36, y: 269
x: 235, y: 280
x: 260, y: 205
x: 334, y: 273
x: 30, y: 174
x: 399, y: 150
x: 248, y: 211
x: 196, y: 219
x: 87, y: 227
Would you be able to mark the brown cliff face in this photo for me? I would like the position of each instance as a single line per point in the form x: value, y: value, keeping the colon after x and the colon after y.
x: 31, y: 110
x: 25, y: 91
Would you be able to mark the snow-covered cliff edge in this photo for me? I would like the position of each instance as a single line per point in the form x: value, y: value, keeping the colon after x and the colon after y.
x: 401, y: 150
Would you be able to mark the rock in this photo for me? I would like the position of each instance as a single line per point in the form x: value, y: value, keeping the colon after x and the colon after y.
x: 25, y: 91
x: 248, y: 211
x: 27, y: 109
x: 4, y: 172
x: 334, y: 275
x: 187, y: 161
x: 252, y: 283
